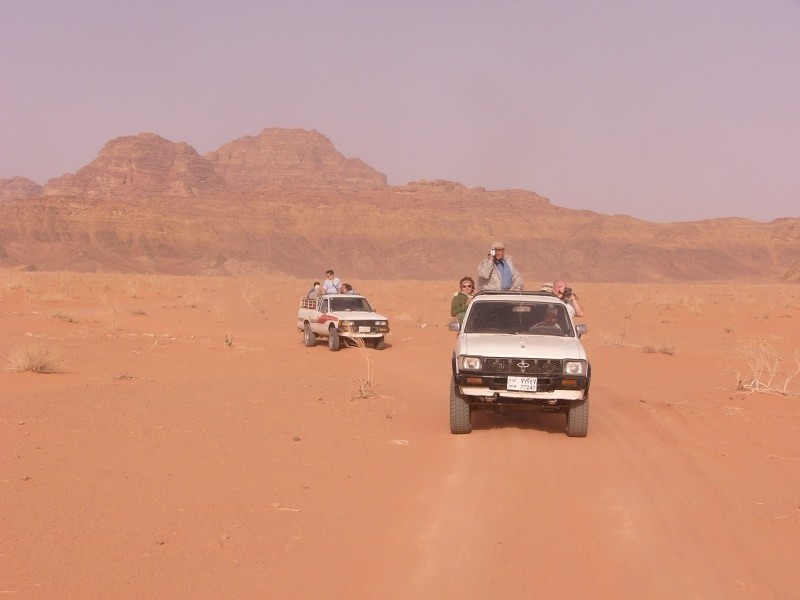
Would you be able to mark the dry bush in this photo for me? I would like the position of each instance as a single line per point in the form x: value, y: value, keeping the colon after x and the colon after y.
x: 694, y: 305
x: 219, y: 312
x: 52, y: 295
x: 14, y: 282
x: 63, y: 317
x: 364, y: 383
x: 114, y: 310
x: 132, y: 288
x: 612, y: 339
x: 764, y: 370
x: 192, y: 295
x: 62, y: 284
x: 669, y: 350
x: 254, y: 299
x: 36, y: 358
x: 56, y: 291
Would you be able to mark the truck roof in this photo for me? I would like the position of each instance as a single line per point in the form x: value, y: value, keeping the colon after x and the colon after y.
x: 506, y: 294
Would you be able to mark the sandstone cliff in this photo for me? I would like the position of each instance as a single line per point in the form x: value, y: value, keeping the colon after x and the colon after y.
x: 19, y: 187
x: 290, y: 158
x: 140, y: 165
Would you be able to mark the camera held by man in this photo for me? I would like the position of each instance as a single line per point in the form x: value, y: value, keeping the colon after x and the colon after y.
x: 568, y: 297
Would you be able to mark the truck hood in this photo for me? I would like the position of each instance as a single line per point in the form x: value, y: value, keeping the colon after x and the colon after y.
x: 520, y: 345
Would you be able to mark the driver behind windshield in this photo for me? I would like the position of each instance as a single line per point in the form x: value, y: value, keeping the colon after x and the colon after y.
x: 550, y: 318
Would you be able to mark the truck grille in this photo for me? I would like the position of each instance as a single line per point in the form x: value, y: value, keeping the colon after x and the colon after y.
x: 372, y: 325
x: 522, y: 366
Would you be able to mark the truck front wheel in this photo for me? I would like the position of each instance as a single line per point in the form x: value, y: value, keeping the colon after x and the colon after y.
x: 460, y: 411
x: 333, y: 340
x: 578, y: 419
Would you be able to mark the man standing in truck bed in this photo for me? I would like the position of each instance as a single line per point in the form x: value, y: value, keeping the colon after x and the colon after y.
x: 331, y: 284
x: 497, y: 272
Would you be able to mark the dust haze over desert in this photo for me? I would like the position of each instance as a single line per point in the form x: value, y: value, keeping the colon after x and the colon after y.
x: 188, y: 444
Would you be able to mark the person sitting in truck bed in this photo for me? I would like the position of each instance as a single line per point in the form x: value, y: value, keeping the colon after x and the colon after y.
x: 315, y: 291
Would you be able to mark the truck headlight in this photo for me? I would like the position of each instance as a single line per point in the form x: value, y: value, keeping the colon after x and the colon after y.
x: 381, y: 323
x: 470, y: 363
x: 574, y: 367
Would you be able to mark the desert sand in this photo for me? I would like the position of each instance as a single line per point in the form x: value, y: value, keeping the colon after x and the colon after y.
x: 190, y: 446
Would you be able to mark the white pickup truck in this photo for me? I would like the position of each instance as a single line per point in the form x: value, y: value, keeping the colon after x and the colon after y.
x: 338, y: 316
x: 519, y: 350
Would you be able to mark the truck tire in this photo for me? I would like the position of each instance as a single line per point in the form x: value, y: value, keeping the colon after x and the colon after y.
x: 578, y: 419
x: 460, y: 411
x: 333, y: 340
x: 377, y: 343
x: 309, y: 339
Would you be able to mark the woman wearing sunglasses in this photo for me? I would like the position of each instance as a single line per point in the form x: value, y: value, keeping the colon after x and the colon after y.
x: 461, y: 300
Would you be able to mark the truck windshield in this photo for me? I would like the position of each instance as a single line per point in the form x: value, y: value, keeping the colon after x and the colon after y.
x: 350, y: 304
x: 530, y: 318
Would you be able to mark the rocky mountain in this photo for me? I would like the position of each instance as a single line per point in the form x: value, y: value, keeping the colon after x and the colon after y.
x: 287, y: 202
x: 290, y: 157
x: 144, y: 164
x: 19, y: 187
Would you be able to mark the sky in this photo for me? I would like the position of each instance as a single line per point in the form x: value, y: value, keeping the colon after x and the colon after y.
x: 665, y: 110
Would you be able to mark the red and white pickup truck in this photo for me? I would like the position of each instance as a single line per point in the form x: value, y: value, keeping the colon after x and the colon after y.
x: 337, y: 316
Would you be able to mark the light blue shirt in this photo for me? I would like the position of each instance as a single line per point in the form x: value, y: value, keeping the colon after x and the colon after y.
x: 505, y: 274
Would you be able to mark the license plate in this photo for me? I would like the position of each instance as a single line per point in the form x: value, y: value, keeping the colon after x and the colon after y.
x: 363, y: 329
x: 522, y: 384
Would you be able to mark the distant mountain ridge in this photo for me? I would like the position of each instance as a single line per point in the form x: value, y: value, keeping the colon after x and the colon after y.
x: 19, y: 188
x: 287, y: 202
x: 147, y: 164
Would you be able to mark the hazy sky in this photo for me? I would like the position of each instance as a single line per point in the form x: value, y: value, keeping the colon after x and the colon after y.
x: 667, y: 110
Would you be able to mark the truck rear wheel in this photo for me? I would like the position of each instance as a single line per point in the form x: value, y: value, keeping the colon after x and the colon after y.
x: 578, y: 419
x: 333, y: 340
x: 460, y: 411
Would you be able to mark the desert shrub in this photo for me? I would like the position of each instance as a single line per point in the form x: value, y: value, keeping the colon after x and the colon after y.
x: 254, y: 299
x: 669, y: 350
x: 14, y: 283
x: 37, y: 358
x: 764, y: 373
x: 63, y: 317
x: 364, y: 384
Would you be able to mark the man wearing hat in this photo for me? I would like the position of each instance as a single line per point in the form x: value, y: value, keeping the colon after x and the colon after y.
x: 550, y: 318
x: 497, y: 272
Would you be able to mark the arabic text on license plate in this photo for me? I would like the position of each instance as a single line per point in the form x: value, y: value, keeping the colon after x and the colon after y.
x: 522, y: 384
x: 363, y: 329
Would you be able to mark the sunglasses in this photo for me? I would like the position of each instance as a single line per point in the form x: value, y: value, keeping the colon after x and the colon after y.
x: 466, y: 285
